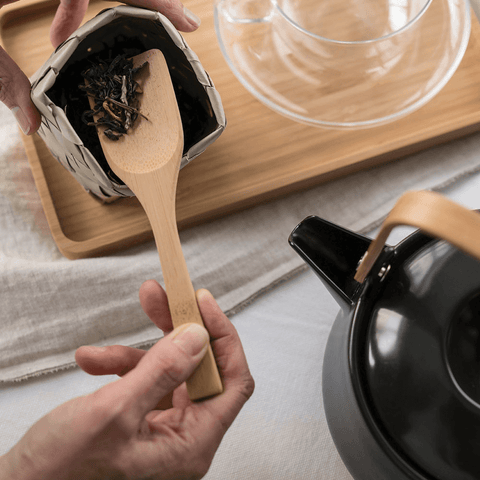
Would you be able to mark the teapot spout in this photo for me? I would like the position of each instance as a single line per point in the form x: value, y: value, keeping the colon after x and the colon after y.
x: 333, y: 253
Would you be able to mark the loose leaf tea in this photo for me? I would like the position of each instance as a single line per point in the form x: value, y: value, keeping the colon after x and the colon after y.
x: 114, y: 90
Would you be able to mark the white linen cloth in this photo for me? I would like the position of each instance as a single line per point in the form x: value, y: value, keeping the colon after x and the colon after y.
x: 51, y: 305
x: 281, y: 433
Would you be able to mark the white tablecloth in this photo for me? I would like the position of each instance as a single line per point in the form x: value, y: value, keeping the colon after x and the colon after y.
x: 281, y: 433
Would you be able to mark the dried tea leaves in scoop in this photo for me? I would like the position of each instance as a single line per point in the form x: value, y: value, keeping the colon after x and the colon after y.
x: 114, y: 90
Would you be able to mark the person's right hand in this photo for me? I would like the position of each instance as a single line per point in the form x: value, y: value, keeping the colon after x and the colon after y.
x: 15, y: 86
x: 119, y: 431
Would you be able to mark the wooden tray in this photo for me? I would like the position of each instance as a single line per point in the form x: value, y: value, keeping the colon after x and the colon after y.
x: 260, y: 156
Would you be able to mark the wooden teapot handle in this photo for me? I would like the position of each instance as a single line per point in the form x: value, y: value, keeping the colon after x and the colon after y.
x: 436, y: 216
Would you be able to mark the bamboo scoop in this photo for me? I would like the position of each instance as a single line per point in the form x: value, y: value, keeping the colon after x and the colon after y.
x: 147, y: 159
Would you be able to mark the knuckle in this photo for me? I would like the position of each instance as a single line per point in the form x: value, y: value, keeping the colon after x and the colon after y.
x: 14, y: 86
x: 98, y: 407
x: 173, y: 374
x: 248, y: 386
x: 245, y: 388
x: 172, y: 368
x: 4, y: 89
x: 107, y: 413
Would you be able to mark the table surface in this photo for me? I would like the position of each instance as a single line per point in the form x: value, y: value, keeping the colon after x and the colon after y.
x: 281, y: 433
x: 226, y: 178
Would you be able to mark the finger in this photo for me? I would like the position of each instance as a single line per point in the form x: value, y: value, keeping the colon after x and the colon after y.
x: 231, y: 361
x: 165, y: 366
x: 15, y: 94
x: 118, y: 359
x: 68, y: 17
x: 153, y: 300
x: 112, y: 360
x: 182, y: 18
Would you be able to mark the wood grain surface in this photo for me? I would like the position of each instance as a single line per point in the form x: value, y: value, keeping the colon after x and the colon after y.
x: 260, y: 156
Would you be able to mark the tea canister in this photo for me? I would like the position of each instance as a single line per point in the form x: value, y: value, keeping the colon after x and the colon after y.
x: 121, y: 30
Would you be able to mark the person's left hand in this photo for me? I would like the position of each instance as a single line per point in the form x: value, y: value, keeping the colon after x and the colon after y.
x: 15, y: 86
x: 118, y: 432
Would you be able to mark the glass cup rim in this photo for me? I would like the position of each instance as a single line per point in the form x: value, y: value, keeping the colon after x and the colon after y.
x: 315, y: 36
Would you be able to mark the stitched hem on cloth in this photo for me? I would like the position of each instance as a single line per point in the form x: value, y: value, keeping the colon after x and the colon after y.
x: 148, y: 344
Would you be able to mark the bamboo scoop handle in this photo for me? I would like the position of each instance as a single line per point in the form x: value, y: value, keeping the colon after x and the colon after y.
x: 435, y: 215
x: 156, y: 193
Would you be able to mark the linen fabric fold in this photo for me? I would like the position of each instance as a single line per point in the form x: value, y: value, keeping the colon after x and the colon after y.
x: 51, y: 305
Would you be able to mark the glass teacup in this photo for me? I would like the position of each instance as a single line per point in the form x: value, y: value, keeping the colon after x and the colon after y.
x: 343, y: 63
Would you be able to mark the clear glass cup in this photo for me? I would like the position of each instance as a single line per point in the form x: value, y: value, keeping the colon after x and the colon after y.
x: 343, y: 63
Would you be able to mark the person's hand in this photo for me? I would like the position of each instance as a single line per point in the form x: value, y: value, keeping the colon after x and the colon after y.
x: 117, y: 432
x: 14, y: 84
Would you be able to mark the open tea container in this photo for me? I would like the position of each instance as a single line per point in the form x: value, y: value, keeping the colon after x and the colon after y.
x: 116, y: 31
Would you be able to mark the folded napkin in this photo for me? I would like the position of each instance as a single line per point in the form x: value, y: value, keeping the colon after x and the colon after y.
x: 49, y: 305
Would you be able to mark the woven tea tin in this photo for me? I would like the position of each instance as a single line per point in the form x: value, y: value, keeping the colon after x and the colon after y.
x: 119, y: 30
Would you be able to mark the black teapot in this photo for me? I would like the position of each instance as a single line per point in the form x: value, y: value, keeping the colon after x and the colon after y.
x: 401, y: 374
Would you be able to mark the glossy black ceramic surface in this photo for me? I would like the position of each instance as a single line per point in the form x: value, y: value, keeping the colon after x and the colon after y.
x: 419, y: 354
x: 333, y: 253
x: 401, y: 375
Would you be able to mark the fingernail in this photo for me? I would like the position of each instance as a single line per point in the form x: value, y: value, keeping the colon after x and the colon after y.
x: 192, y: 338
x: 98, y: 349
x: 203, y: 293
x: 21, y: 120
x: 193, y: 19
x: 93, y: 348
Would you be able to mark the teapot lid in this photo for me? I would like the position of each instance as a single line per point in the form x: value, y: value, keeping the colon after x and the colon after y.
x: 416, y: 346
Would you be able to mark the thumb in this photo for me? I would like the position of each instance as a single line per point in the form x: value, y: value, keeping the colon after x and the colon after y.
x: 15, y: 94
x: 165, y: 366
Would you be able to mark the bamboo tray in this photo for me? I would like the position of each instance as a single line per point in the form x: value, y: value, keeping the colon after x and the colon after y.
x: 260, y: 156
